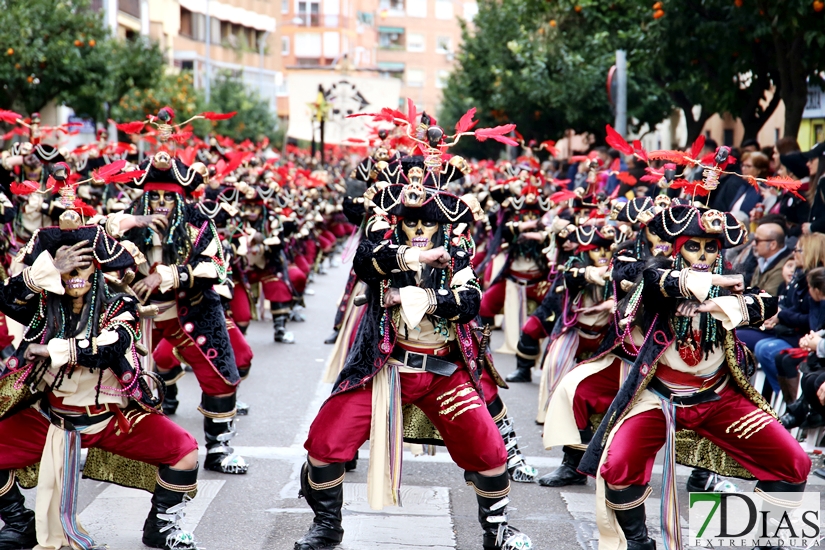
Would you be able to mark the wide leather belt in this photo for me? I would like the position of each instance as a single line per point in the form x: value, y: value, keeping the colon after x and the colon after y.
x: 705, y: 396
x: 71, y: 422
x: 424, y: 362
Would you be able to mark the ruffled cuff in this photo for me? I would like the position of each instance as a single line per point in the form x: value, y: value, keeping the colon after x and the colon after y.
x: 112, y: 225
x: 411, y: 255
x: 698, y: 283
x: 168, y: 277
x: 415, y: 302
x: 734, y: 311
x: 43, y: 275
x: 61, y: 351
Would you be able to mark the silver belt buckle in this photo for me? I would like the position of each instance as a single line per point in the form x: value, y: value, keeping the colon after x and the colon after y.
x: 423, y: 363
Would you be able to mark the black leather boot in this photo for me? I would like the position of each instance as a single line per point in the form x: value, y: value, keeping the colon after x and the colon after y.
x: 219, y: 429
x: 526, y: 354
x: 279, y: 319
x: 333, y: 336
x: 517, y: 466
x: 795, y: 414
x: 170, y: 399
x: 351, y: 465
x: 705, y: 481
x: 773, y: 507
x: 18, y: 531
x: 491, y: 492
x: 567, y: 473
x: 323, y: 489
x: 629, y: 506
x: 162, y: 527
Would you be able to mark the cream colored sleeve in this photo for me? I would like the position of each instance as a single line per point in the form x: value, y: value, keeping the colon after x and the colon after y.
x: 699, y: 283
x: 731, y: 315
x: 59, y: 347
x: 168, y: 280
x: 43, y: 275
x: 412, y: 257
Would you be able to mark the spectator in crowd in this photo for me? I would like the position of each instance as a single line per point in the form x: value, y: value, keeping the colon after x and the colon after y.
x: 816, y: 192
x: 792, y: 322
x: 749, y: 146
x: 771, y: 252
x: 795, y: 209
x: 812, y: 364
x: 746, y: 197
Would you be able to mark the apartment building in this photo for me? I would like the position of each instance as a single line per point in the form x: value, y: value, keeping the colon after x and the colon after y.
x: 326, y: 35
x: 417, y: 42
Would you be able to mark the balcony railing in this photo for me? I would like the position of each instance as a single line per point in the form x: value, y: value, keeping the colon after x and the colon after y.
x: 132, y: 7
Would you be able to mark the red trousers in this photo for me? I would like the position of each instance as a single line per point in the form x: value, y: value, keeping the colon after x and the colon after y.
x: 493, y: 300
x: 165, y: 359
x: 210, y: 380
x: 595, y: 393
x: 533, y: 328
x: 769, y: 453
x: 239, y: 306
x: 471, y: 436
x: 342, y: 229
x: 154, y: 439
x: 327, y: 240
x: 6, y: 339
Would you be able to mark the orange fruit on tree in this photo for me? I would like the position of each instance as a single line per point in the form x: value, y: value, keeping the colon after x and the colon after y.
x: 78, y: 43
x: 658, y: 14
x: 578, y: 9
x: 552, y: 22
x: 819, y: 5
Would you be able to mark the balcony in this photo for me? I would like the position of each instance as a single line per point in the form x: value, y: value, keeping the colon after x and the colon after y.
x: 131, y: 7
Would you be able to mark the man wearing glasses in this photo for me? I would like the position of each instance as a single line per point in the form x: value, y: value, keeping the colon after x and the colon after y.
x: 771, y: 252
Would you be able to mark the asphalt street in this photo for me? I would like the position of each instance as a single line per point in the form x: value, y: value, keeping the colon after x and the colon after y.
x: 261, y: 510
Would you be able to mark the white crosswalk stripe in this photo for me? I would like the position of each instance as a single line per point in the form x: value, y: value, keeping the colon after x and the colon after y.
x: 115, y: 517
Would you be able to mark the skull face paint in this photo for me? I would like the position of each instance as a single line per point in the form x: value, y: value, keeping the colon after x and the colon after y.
x: 420, y: 233
x: 700, y: 253
x: 253, y: 212
x: 600, y: 256
x: 658, y: 247
x: 77, y: 282
x: 162, y: 202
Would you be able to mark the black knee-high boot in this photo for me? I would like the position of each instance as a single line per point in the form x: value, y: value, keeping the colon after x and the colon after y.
x: 526, y: 354
x: 219, y: 429
x: 629, y: 506
x: 280, y: 315
x: 517, y: 466
x: 323, y: 489
x: 491, y: 493
x: 567, y: 473
x: 775, y: 508
x: 170, y: 399
x: 162, y: 527
x: 18, y: 531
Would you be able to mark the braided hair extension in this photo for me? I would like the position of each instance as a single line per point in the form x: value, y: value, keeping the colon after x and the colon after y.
x: 177, y: 244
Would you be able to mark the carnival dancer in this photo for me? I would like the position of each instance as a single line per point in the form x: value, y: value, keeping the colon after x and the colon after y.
x: 586, y: 307
x: 521, y: 282
x: 414, y: 346
x: 79, y: 372
x: 184, y: 262
x: 691, y: 373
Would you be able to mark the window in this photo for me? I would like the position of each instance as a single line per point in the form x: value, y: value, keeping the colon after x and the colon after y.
x: 284, y: 6
x: 443, y: 9
x: 441, y: 78
x: 470, y: 10
x: 391, y: 5
x: 309, y: 14
x: 308, y: 45
x: 332, y: 44
x: 415, y: 78
x: 415, y: 42
x: 417, y: 8
x: 391, y: 38
x: 284, y: 45
x: 443, y: 44
x: 185, y: 22
x: 391, y: 69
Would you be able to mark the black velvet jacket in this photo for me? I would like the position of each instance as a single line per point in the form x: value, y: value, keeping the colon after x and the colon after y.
x: 380, y: 263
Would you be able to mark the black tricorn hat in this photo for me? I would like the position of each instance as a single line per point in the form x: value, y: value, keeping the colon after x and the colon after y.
x: 170, y: 174
x: 423, y: 203
x: 109, y: 254
x: 685, y: 220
